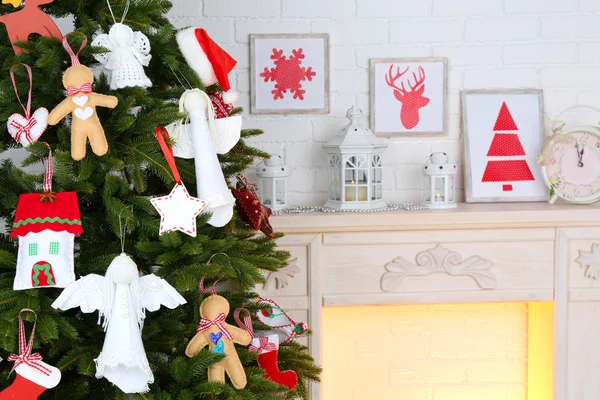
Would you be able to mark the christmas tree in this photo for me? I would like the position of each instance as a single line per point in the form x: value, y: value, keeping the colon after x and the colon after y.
x: 114, y: 193
x: 506, y: 144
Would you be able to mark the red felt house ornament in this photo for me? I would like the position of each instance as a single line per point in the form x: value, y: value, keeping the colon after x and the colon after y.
x: 46, y: 225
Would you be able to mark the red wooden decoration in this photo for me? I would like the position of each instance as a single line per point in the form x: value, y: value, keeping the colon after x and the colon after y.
x: 288, y: 74
x: 222, y: 109
x: 28, y: 20
x: 250, y: 209
x: 410, y: 97
x: 505, y: 121
x: 507, y: 145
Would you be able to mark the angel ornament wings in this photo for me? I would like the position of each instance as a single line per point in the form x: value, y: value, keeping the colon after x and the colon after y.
x: 129, y: 52
x: 122, y: 298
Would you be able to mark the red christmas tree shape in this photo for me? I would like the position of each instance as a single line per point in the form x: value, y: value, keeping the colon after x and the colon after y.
x: 506, y: 145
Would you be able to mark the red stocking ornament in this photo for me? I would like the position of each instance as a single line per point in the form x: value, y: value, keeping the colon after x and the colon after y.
x: 250, y: 209
x: 267, y: 348
x: 33, y: 375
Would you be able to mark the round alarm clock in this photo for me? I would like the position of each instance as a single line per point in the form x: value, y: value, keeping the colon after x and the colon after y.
x: 571, y: 163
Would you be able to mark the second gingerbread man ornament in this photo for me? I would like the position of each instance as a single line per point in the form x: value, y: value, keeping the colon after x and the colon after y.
x: 82, y: 102
x: 220, y: 337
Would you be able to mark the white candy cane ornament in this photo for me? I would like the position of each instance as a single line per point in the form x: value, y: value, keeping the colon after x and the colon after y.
x: 26, y: 129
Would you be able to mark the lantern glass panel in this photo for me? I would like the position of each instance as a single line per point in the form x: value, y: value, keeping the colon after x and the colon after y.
x: 451, y: 191
x: 335, y: 178
x: 376, y: 177
x: 427, y: 188
x: 266, y: 191
x: 440, y: 183
x: 280, y: 192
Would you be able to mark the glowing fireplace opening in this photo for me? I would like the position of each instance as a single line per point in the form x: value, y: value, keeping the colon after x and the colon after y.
x: 488, y: 351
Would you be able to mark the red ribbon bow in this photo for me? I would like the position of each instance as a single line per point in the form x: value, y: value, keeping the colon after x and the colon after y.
x: 25, y: 356
x: 264, y: 346
x: 85, y: 88
x: 218, y: 322
x: 24, y: 129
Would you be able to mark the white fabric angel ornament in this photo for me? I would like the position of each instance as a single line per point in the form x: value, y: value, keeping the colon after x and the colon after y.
x: 202, y: 139
x: 122, y: 298
x: 129, y: 53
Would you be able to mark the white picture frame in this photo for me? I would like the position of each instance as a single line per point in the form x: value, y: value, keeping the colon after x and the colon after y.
x: 501, y: 161
x: 423, y: 82
x: 312, y: 97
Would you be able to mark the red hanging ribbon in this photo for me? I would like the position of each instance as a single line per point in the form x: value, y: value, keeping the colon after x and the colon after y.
x: 246, y: 324
x: 161, y: 135
x: 14, y: 82
x: 47, y: 170
x: 264, y: 345
x: 218, y: 322
x: 25, y: 356
x: 74, y: 57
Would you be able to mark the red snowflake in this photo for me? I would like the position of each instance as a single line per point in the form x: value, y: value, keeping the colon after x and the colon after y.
x: 288, y: 74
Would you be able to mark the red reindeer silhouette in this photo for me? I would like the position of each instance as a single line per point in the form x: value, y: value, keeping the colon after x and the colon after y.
x: 412, y: 100
x: 30, y: 19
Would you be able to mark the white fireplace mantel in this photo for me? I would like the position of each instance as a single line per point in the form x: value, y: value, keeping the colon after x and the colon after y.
x: 475, y: 253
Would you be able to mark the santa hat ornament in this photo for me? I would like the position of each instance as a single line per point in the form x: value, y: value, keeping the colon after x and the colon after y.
x: 211, y: 62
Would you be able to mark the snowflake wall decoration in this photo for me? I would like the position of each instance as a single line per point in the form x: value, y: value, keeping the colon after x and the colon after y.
x: 288, y: 74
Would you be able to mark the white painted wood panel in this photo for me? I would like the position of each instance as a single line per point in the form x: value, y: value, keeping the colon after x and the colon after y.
x: 583, y: 360
x: 517, y: 266
x: 533, y: 250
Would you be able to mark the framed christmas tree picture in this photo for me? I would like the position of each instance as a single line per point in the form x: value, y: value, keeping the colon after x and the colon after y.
x: 503, y: 136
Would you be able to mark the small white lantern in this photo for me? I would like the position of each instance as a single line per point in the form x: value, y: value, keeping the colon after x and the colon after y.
x: 355, y: 166
x: 273, y: 182
x: 440, y: 182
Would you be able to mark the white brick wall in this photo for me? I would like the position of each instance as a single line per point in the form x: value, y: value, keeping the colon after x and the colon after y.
x: 549, y: 44
x: 440, y: 352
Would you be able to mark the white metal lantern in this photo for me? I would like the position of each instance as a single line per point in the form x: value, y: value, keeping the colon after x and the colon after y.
x: 355, y: 166
x: 440, y: 182
x: 273, y: 174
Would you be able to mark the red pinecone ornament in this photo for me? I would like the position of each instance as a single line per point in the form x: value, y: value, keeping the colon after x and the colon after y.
x: 250, y: 209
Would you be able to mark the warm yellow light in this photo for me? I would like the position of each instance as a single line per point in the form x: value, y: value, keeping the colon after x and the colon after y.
x: 454, y: 351
x: 540, y: 351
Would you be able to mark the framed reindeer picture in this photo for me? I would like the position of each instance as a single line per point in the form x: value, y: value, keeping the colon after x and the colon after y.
x: 408, y: 96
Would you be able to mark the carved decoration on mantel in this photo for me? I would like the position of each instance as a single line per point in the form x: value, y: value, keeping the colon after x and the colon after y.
x: 284, y: 276
x: 590, y: 260
x: 439, y: 259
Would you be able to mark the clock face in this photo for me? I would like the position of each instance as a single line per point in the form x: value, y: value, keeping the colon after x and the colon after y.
x: 574, y: 169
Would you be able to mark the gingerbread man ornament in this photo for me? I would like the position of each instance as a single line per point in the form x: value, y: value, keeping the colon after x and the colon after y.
x: 81, y: 101
x: 220, y: 337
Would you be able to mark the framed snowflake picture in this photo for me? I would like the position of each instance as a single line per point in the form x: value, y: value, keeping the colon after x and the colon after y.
x: 289, y: 73
x: 408, y: 96
x: 503, y: 136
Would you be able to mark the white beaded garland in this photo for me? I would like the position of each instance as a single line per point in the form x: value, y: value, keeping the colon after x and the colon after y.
x: 310, y: 209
